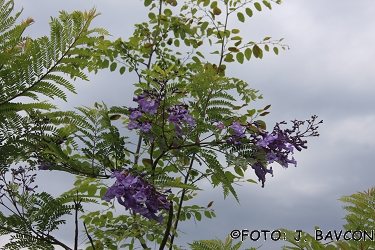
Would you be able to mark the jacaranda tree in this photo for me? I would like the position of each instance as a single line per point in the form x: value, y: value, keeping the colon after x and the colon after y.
x: 187, y: 113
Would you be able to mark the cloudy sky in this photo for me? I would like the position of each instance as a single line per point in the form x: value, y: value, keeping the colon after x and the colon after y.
x: 328, y: 71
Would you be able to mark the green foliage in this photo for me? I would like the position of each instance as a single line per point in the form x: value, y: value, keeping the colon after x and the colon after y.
x: 104, y: 149
x: 37, y: 67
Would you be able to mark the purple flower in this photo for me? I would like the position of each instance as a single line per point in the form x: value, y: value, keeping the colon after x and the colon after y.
x: 140, y: 97
x: 271, y: 157
x: 120, y: 176
x: 146, y: 127
x: 237, y: 128
x: 289, y: 147
x: 112, y: 192
x: 148, y: 106
x: 220, y: 125
x: 189, y: 119
x: 173, y: 118
x: 135, y: 115
x: 136, y: 194
x: 177, y: 114
x: 140, y: 196
x: 133, y: 125
x: 128, y: 181
x: 267, y: 139
x: 261, y: 172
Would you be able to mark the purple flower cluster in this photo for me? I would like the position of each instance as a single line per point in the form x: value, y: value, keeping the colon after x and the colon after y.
x: 146, y: 104
x: 21, y: 178
x: 137, y: 194
x: 179, y: 113
x: 149, y: 103
x: 238, y: 132
x: 277, y: 145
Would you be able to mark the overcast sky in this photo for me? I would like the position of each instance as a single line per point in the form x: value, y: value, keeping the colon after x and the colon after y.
x: 328, y: 71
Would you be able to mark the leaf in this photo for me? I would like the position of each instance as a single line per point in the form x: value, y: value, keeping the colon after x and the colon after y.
x: 147, y: 162
x: 122, y: 70
x: 251, y: 112
x: 264, y: 113
x: 235, y: 31
x: 210, y: 204
x: 217, y: 11
x: 267, y: 107
x: 248, y: 53
x: 199, y: 54
x: 167, y: 12
x: 256, y: 51
x: 241, y: 17
x: 238, y: 171
x: 187, y: 42
x: 251, y: 180
x: 266, y: 48
x: 240, y: 57
x: 230, y: 176
x: 147, y: 2
x: 148, y: 45
x: 152, y: 15
x: 249, y: 12
x: 267, y: 4
x: 266, y: 38
x: 91, y: 190
x: 236, y: 38
x: 210, y: 31
x: 114, y: 117
x: 105, y: 63
x: 276, y: 50
x: 204, y: 26
x: 207, y: 214
x: 237, y: 43
x: 258, y: 6
x: 198, y: 216
x: 221, y: 68
x: 262, y: 124
x: 233, y: 49
x: 113, y: 66
x: 150, y: 237
x: 213, y: 4
x: 229, y: 58
x: 196, y: 59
